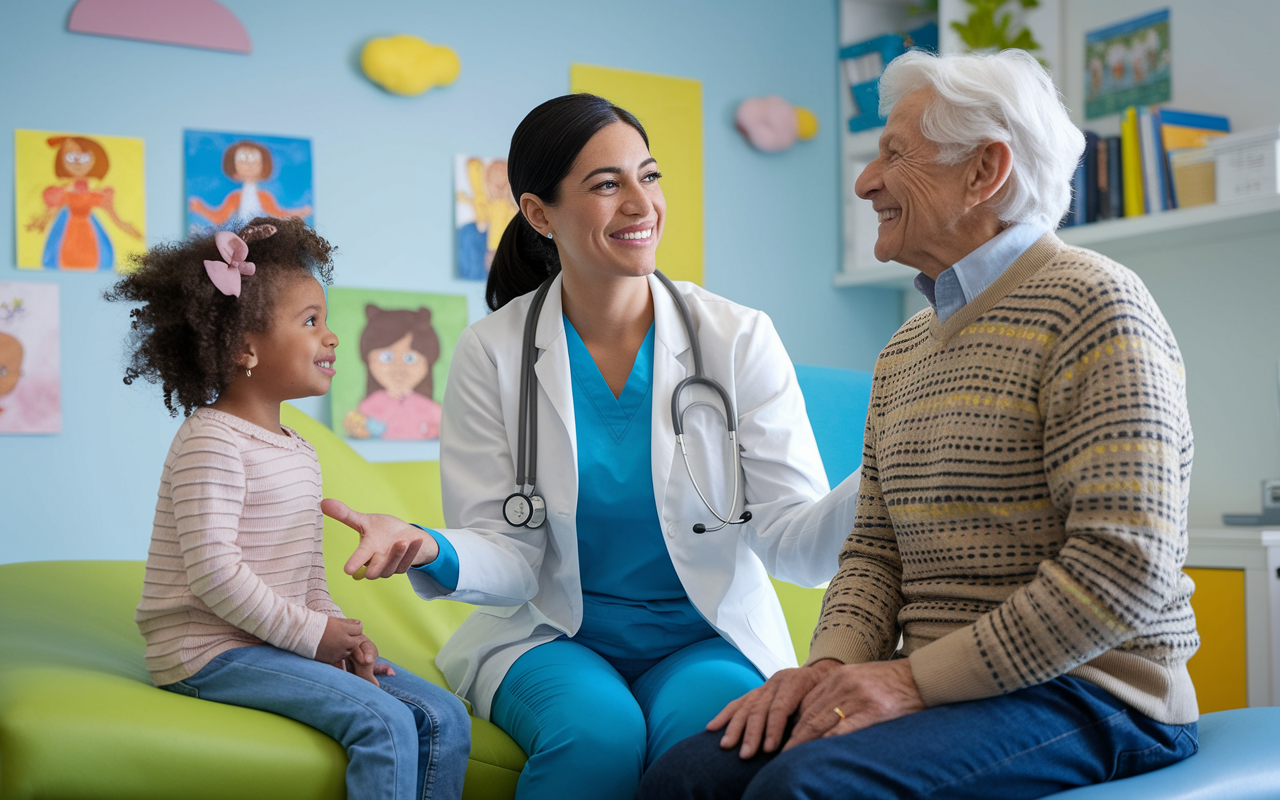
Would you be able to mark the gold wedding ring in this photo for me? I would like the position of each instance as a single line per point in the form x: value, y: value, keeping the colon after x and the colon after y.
x: 839, y: 712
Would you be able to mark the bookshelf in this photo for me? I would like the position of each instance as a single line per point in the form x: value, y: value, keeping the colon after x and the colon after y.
x: 1115, y: 238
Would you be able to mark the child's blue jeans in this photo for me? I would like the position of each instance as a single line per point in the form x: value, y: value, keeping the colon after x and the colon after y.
x: 407, y: 740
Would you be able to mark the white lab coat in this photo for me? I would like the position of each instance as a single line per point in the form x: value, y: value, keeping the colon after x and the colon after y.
x: 527, y: 580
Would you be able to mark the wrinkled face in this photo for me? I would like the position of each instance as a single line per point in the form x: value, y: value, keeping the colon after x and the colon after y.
x: 918, y: 200
x: 296, y: 355
x: 76, y: 161
x: 248, y: 163
x: 10, y: 363
x: 609, y: 218
x: 398, y: 368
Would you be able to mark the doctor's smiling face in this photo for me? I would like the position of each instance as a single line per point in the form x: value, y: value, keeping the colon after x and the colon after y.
x: 608, y: 218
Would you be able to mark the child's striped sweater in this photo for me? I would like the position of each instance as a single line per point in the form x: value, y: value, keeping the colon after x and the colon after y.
x: 236, y: 553
x: 1023, y: 509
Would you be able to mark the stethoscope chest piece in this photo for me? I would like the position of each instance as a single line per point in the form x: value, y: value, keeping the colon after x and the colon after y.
x: 524, y: 510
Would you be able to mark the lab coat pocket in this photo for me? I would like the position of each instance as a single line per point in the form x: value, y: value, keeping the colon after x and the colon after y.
x: 767, y: 621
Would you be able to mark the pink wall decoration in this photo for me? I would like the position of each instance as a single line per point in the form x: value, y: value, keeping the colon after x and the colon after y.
x: 189, y: 23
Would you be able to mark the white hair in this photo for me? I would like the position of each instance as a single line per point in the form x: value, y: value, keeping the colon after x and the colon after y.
x: 1004, y: 97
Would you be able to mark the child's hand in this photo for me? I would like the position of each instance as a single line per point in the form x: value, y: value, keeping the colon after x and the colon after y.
x: 341, y: 637
x: 364, y: 662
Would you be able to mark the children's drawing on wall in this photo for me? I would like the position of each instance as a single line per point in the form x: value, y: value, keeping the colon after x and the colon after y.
x: 234, y: 177
x: 482, y: 210
x: 403, y: 342
x: 80, y: 200
x: 30, y: 375
x: 1127, y: 64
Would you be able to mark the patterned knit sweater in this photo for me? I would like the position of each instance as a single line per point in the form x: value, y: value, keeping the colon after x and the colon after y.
x: 235, y: 554
x: 1023, y: 509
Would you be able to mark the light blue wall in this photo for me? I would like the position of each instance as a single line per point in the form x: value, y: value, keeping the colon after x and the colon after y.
x: 383, y: 187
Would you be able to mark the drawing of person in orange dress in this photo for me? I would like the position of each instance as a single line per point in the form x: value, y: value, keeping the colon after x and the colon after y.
x: 77, y: 239
x: 248, y: 164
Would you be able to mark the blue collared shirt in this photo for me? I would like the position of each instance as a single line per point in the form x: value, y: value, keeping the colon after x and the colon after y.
x: 967, y: 279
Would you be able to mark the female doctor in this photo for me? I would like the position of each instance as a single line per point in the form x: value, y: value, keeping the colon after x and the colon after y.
x: 638, y: 609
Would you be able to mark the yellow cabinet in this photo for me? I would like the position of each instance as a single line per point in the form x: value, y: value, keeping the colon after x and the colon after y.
x: 1218, y: 667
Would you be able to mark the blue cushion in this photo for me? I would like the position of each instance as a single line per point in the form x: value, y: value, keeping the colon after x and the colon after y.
x: 1237, y: 759
x: 836, y: 400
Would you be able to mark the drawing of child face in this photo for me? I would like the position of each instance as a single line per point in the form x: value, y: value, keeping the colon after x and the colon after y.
x: 10, y: 363
x: 77, y: 161
x: 398, y: 368
x: 248, y: 164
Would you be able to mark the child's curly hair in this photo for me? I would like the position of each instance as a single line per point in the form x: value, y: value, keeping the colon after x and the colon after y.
x: 187, y: 335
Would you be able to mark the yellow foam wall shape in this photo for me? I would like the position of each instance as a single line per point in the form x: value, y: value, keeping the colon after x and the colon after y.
x: 1219, y: 667
x: 671, y: 111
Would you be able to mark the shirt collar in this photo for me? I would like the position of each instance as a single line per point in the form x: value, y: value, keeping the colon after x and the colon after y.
x: 971, y: 275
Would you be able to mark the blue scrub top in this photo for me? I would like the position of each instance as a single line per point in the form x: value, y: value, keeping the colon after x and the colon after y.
x: 634, y: 606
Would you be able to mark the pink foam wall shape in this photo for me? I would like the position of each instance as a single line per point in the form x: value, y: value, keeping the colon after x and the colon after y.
x: 189, y: 23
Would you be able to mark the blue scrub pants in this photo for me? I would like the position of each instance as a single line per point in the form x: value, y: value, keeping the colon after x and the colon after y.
x: 590, y: 731
x: 1026, y: 744
x: 408, y: 740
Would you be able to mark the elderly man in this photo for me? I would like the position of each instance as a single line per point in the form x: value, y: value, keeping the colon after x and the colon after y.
x: 1022, y: 518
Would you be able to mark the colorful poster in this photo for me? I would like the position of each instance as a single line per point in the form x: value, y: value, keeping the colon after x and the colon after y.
x: 30, y: 375
x: 234, y: 177
x: 393, y: 359
x: 79, y: 199
x: 670, y: 109
x: 482, y: 209
x: 1127, y: 64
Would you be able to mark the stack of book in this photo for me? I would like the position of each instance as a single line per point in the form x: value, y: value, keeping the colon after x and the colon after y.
x: 1158, y: 162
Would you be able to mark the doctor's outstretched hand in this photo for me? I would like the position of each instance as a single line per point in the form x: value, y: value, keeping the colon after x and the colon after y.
x: 388, y: 545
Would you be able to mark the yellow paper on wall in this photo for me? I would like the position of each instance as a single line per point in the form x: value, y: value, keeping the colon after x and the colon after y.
x: 670, y: 109
x: 79, y: 200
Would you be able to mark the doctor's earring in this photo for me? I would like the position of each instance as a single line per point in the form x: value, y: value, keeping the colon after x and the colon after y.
x: 550, y: 235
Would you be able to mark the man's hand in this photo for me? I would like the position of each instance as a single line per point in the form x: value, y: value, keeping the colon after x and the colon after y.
x: 388, y: 545
x: 865, y: 694
x: 762, y: 713
x: 341, y: 637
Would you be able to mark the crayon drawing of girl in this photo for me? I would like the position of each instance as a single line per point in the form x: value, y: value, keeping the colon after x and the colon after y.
x: 77, y: 240
x: 249, y: 164
x: 399, y: 348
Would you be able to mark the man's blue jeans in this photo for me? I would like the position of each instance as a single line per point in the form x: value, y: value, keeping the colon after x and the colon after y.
x: 408, y: 740
x: 1026, y: 744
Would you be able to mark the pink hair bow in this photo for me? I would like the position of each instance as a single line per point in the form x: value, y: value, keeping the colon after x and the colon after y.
x: 226, y: 274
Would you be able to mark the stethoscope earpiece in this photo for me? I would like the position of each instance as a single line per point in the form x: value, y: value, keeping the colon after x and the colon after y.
x: 700, y: 528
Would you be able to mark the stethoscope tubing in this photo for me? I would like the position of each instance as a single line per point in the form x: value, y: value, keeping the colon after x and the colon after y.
x: 527, y: 447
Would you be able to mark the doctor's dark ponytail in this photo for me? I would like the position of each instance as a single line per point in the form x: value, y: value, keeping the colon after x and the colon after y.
x: 543, y: 149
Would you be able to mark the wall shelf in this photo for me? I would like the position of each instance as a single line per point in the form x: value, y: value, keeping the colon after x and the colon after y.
x: 1116, y: 238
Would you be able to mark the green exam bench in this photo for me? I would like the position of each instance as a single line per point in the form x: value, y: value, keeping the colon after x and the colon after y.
x: 80, y: 720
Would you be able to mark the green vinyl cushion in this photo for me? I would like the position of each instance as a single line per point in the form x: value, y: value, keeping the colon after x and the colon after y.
x: 79, y: 717
x: 80, y: 720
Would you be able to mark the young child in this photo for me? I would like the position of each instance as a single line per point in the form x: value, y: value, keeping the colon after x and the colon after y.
x: 235, y: 608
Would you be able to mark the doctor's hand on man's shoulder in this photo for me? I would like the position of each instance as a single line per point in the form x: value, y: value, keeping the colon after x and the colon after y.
x: 388, y: 545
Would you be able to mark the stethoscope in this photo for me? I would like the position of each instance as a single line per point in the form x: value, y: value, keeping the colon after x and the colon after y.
x: 525, y: 509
